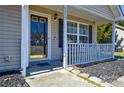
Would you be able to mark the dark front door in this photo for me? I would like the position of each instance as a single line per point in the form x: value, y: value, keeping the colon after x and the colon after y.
x: 39, y: 34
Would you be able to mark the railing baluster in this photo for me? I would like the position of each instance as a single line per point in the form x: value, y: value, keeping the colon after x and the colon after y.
x: 75, y: 53
x: 78, y: 53
x: 82, y: 53
x: 85, y: 53
x: 72, y: 54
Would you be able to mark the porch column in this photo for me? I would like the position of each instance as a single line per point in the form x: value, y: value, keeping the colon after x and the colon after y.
x: 65, y: 46
x: 113, y: 37
x: 25, y: 39
x: 95, y: 39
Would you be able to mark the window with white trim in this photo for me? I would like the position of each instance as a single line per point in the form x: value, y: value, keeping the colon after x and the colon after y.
x: 72, y: 32
x: 83, y: 33
x: 77, y: 32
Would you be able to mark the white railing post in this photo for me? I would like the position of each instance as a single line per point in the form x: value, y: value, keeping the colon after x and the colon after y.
x: 65, y: 44
x: 24, y: 39
x: 113, y: 38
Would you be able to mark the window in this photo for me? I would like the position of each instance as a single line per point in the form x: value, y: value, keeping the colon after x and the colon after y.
x: 34, y: 19
x: 43, y: 20
x: 72, y: 32
x: 83, y: 33
x: 83, y: 29
x: 83, y: 39
x: 72, y: 27
x: 77, y: 32
x: 72, y: 38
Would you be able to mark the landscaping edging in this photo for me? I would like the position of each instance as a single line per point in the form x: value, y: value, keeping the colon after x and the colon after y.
x: 92, y: 79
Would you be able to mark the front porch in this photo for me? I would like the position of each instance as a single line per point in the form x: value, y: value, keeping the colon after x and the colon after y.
x: 78, y: 44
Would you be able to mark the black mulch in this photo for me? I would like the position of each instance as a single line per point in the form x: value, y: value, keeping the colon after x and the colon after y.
x: 107, y: 71
x: 12, y: 79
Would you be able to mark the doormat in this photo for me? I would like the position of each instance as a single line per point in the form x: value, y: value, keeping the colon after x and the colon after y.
x: 43, y: 64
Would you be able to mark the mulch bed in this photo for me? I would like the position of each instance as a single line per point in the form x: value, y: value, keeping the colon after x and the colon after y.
x: 12, y: 79
x: 107, y: 71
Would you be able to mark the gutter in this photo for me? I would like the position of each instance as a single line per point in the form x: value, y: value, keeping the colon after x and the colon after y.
x: 121, y: 10
x: 121, y: 13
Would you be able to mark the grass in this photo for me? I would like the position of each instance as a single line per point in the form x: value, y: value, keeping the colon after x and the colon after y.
x: 119, y: 55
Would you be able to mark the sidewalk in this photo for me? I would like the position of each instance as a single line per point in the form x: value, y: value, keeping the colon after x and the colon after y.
x: 59, y: 78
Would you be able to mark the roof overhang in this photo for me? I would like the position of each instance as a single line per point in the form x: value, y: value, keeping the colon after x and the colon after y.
x: 95, y: 13
x: 85, y: 13
x: 117, y: 12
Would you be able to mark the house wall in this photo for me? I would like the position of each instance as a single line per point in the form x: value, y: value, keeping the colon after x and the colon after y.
x: 55, y: 50
x: 100, y: 9
x: 119, y: 38
x: 10, y: 37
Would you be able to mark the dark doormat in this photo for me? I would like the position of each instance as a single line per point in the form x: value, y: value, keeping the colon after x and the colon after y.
x: 43, y: 64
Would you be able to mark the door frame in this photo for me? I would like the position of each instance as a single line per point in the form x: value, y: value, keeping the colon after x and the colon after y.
x: 49, y: 34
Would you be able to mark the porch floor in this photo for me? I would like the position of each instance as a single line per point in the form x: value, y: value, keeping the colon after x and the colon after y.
x: 39, y: 67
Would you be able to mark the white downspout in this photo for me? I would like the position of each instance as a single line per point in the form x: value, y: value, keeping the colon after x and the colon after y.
x: 113, y: 38
x: 24, y: 39
x: 65, y: 46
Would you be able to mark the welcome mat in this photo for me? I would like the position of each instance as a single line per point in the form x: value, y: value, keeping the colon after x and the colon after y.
x: 43, y: 64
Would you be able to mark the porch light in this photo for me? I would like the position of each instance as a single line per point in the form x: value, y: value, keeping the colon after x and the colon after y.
x: 55, y: 16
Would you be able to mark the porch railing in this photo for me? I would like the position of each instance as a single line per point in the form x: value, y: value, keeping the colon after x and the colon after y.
x: 87, y: 53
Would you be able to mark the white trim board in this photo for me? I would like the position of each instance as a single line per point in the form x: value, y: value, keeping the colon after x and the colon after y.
x: 49, y: 34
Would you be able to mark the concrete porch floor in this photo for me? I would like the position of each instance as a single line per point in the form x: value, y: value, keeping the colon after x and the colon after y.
x: 59, y: 78
x: 43, y: 66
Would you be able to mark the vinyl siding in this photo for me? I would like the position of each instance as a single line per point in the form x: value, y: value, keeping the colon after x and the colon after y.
x: 100, y: 9
x: 10, y: 37
x: 56, y: 52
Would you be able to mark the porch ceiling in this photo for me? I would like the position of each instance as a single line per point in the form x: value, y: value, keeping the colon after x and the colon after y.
x: 75, y: 11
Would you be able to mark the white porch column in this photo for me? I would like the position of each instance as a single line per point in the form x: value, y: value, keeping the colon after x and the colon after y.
x: 94, y: 33
x: 65, y: 46
x: 113, y: 37
x: 25, y: 39
x: 95, y: 39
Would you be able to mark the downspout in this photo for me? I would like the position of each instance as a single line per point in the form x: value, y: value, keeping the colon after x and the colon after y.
x: 113, y: 39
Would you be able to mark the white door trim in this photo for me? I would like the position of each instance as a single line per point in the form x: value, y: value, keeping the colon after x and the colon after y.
x: 49, y: 33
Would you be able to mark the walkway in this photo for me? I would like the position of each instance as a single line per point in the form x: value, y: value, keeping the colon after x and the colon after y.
x: 59, y: 78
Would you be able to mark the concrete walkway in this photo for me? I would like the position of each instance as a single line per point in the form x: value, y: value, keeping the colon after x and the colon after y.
x: 59, y: 78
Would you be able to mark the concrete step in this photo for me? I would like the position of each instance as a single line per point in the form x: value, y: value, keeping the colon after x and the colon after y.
x: 121, y: 79
x: 118, y: 83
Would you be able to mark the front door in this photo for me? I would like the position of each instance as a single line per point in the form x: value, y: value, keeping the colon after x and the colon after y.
x: 39, y: 37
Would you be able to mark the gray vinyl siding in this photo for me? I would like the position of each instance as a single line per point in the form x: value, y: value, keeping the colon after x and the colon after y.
x: 100, y: 9
x: 10, y: 37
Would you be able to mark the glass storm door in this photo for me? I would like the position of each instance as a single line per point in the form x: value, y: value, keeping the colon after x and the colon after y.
x: 39, y: 33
